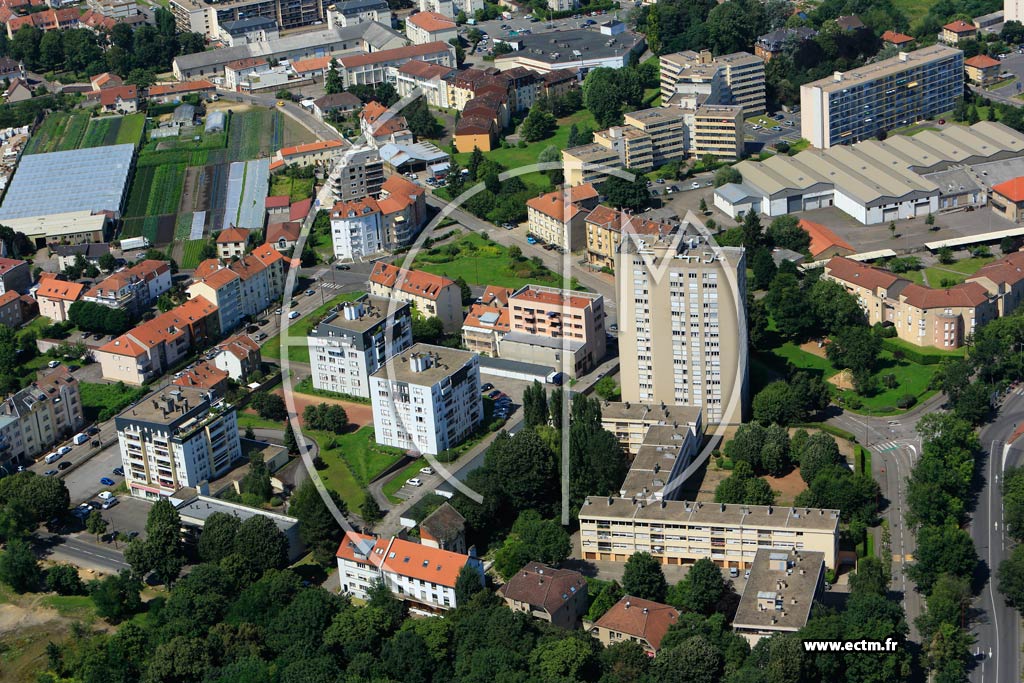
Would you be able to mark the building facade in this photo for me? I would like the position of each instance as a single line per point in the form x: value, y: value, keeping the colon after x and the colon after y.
x: 431, y: 295
x: 604, y: 227
x: 858, y: 104
x: 558, y: 217
x: 692, y: 356
x: 358, y: 172
x: 39, y: 416
x: 355, y: 340
x: 694, y: 78
x: 179, y: 439
x: 546, y: 322
x: 427, y: 399
x: 682, y: 532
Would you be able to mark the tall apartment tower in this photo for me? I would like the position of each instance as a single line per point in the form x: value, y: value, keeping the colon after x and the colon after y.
x: 1013, y: 10
x: 858, y: 104
x: 178, y: 439
x: 683, y: 334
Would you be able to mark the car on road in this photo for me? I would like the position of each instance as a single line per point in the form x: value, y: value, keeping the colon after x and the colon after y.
x: 280, y: 103
x: 694, y: 185
x: 342, y: 266
x: 530, y: 239
x: 294, y: 303
x: 776, y: 128
x: 549, y: 246
x: 53, y: 364
x: 486, y: 387
x: 415, y: 481
x: 251, y: 329
x: 133, y: 534
x: 118, y: 471
x: 261, y: 336
x: 63, y: 466
x: 63, y: 450
x: 92, y: 431
x: 670, y: 190
x: 49, y: 473
x: 293, y: 315
x: 107, y: 481
x: 426, y: 470
x: 746, y: 574
x: 788, y: 123
x: 310, y: 292
x: 709, y: 183
x: 279, y: 311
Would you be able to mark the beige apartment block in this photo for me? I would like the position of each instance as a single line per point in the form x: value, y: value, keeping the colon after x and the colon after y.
x: 431, y: 295
x: 682, y: 325
x: 630, y: 422
x: 698, y: 78
x: 679, y: 532
x: 718, y: 130
x: 550, y: 318
x: 779, y: 594
x: 605, y: 225
x: 667, y: 130
x: 558, y: 217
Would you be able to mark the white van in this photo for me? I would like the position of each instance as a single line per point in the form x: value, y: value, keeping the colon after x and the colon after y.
x: 80, y: 438
x: 52, y: 458
x: 105, y: 495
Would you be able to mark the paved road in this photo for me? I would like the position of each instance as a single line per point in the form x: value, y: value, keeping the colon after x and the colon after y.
x: 996, y: 625
x: 81, y: 551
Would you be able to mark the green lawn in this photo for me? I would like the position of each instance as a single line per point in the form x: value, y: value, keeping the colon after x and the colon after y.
x: 483, y: 263
x: 190, y: 259
x: 103, y: 401
x: 256, y: 422
x: 296, y: 189
x: 1003, y: 83
x: 968, y: 266
x: 913, y: 9
x: 131, y: 129
x: 898, y: 343
x: 365, y: 458
x: 297, y: 352
x: 800, y: 145
x: 336, y: 474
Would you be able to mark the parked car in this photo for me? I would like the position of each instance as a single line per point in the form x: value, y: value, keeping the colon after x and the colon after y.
x: 279, y: 311
x: 530, y: 239
x: 494, y: 395
x: 105, y: 495
x: 486, y: 387
x: 310, y: 292
x: 109, y: 503
x: 63, y: 466
x: 776, y: 128
x: 342, y: 266
x: 733, y: 572
x: 694, y: 185
x: 426, y: 470
x: 63, y: 450
x: 755, y: 127
x: 107, y: 481
x: 53, y: 364
x: 293, y: 315
x: 261, y: 336
x: 118, y: 471
x: 415, y: 481
x: 92, y: 431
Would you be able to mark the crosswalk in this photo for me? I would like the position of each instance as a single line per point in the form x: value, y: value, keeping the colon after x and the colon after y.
x: 330, y: 285
x: 884, y: 446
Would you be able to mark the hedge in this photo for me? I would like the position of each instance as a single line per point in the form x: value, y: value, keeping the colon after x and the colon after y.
x: 827, y: 428
x: 919, y: 356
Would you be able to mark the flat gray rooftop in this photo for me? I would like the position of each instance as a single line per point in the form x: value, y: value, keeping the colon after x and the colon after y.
x: 444, y: 362
x: 779, y: 597
x: 93, y: 179
x: 575, y: 43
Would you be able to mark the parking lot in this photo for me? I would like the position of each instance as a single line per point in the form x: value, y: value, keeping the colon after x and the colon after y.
x: 770, y: 129
x: 494, y: 30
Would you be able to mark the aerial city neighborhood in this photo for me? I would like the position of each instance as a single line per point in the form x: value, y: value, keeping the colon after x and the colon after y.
x: 561, y: 340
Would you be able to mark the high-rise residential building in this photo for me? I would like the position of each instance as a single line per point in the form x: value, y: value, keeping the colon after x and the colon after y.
x: 1013, y: 10
x: 689, y: 79
x: 859, y: 104
x: 683, y: 335
x: 427, y: 398
x: 351, y: 343
x: 177, y: 439
x: 357, y: 228
x: 665, y: 126
x: 42, y: 414
x: 717, y: 129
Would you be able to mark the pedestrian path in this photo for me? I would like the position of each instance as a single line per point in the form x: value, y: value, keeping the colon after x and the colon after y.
x: 885, y: 446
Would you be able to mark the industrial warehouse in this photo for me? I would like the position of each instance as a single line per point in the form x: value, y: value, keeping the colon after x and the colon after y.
x: 880, y: 181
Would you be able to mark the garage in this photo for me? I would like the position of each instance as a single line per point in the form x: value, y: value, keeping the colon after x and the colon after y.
x: 794, y: 204
x: 890, y: 214
x: 922, y: 209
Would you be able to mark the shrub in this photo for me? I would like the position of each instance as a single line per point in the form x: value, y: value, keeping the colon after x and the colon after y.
x: 906, y: 401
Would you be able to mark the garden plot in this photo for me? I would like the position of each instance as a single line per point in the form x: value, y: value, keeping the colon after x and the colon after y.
x: 247, y: 194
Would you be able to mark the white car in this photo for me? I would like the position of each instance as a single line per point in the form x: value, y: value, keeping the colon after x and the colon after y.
x: 53, y: 364
x: 415, y: 481
x: 756, y: 127
x: 694, y: 186
x: 109, y: 502
x: 426, y: 470
x: 105, y: 495
x: 63, y: 450
x: 293, y: 315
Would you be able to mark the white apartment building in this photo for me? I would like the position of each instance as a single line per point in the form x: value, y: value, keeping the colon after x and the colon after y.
x: 421, y: 576
x: 354, y: 340
x: 358, y: 172
x: 681, y: 532
x: 428, y: 27
x: 356, y: 229
x: 451, y: 8
x: 42, y: 414
x: 177, y: 439
x: 427, y: 398
x: 352, y: 12
x: 683, y: 334
x: 379, y: 67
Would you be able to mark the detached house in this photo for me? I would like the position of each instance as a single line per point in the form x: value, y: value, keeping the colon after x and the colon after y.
x: 56, y: 296
x: 122, y: 99
x: 632, y: 618
x: 558, y: 596
x: 431, y: 295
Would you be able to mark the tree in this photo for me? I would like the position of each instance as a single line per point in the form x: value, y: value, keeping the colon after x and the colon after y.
x: 19, y: 568
x: 117, y: 596
x: 871, y: 577
x: 370, y: 510
x: 775, y: 404
x: 289, y: 439
x: 107, y: 262
x: 532, y: 539
x: 41, y: 498
x: 63, y: 579
x: 262, y: 543
x: 464, y: 290
x: 643, y: 578
x: 785, y: 232
x: 942, y: 550
x: 607, y: 388
x: 535, y: 405
x: 602, y: 98
x: 467, y: 584
x: 763, y: 267
x: 627, y: 194
x: 1011, y: 578
x: 51, y: 50
x: 786, y: 304
x: 856, y: 348
x: 317, y: 526
x: 696, y: 661
x: 610, y: 594
x: 1013, y: 502
x: 95, y: 524
x: 537, y: 125
x: 735, y: 27
x: 160, y: 552
x: 217, y: 539
x: 726, y: 175
x: 742, y: 487
x: 421, y: 122
x: 574, y: 137
x: 328, y: 417
x: 332, y: 81
x: 834, y: 307
x: 269, y: 406
x: 818, y: 453
x: 700, y: 590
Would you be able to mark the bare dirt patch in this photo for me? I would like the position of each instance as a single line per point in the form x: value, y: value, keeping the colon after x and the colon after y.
x: 788, y: 487
x: 813, y: 348
x: 358, y: 414
x: 843, y: 380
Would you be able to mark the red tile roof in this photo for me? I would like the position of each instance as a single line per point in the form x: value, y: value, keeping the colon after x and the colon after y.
x: 859, y: 274
x: 288, y: 231
x: 968, y: 294
x: 204, y: 375
x: 960, y: 26
x: 981, y: 62
x: 1008, y: 270
x: 431, y: 22
x: 300, y: 209
x: 422, y: 562
x: 553, y: 205
x: 395, y: 54
x: 414, y: 282
x: 276, y: 201
x: 1011, y: 189
x: 110, y: 96
x: 8, y: 264
x: 896, y: 38
x: 247, y: 63
x: 822, y: 238
x: 640, y: 618
x: 312, y: 65
x: 182, y: 87
x: 496, y: 296
x: 424, y: 70
x: 614, y: 220
x: 543, y: 587
x: 557, y: 298
x: 355, y: 208
x: 233, y: 235
x: 476, y: 311
x: 310, y: 147
x: 266, y: 255
x: 59, y: 289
